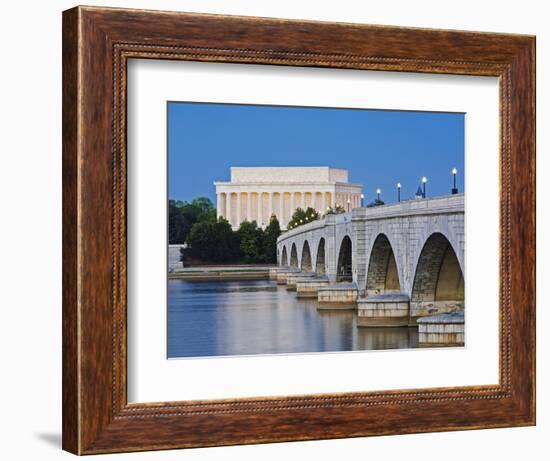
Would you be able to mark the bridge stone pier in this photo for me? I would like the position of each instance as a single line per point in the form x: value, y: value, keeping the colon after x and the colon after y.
x: 404, y: 260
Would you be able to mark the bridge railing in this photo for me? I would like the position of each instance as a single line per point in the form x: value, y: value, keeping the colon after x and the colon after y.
x: 434, y: 205
x: 317, y: 224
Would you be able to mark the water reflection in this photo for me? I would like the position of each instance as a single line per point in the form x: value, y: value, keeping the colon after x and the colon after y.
x: 258, y: 317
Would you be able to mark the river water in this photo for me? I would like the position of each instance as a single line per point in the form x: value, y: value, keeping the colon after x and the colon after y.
x: 248, y: 317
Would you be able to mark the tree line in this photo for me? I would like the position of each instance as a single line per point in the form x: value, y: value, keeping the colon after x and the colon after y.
x: 211, y: 240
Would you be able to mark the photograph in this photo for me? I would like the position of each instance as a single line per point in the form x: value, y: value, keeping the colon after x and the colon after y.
x: 298, y: 229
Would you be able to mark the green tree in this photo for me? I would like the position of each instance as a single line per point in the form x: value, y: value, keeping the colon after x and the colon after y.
x: 176, y: 223
x: 227, y: 242
x: 336, y: 209
x: 201, y: 242
x: 204, y: 204
x: 213, y: 242
x: 271, y: 234
x: 301, y: 217
x: 183, y: 215
x: 208, y: 216
x: 251, y: 238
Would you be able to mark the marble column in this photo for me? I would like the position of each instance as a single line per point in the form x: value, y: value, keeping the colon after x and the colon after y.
x: 228, y: 206
x: 292, y: 204
x: 260, y: 206
x: 324, y: 203
x: 281, y: 209
x: 239, y: 208
x: 303, y: 200
x: 248, y: 206
x: 218, y: 205
x: 270, y: 206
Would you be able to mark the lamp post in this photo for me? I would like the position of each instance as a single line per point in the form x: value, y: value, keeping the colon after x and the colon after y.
x: 348, y: 202
x: 424, y: 181
x: 454, y: 190
x: 398, y: 191
x: 378, y: 192
x: 362, y: 200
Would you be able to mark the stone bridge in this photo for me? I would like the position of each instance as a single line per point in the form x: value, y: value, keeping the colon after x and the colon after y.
x: 400, y: 261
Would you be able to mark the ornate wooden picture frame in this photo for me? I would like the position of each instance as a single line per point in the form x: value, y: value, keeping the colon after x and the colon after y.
x: 97, y: 44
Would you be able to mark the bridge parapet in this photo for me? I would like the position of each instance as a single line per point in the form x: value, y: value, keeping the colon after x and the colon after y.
x: 317, y: 224
x: 435, y: 205
x: 328, y: 220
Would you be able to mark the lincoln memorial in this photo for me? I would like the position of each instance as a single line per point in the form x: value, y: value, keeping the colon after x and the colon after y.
x: 257, y: 193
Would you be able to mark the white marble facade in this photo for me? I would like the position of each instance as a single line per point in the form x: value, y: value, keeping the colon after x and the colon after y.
x: 256, y: 193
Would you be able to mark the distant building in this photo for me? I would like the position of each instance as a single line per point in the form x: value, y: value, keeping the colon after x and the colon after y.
x: 256, y: 193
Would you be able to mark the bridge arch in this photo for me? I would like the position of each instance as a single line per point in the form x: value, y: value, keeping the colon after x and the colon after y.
x: 305, y: 261
x: 345, y: 261
x: 320, y: 261
x: 450, y: 233
x: 293, y: 256
x: 438, y: 284
x: 284, y: 257
x: 382, y: 272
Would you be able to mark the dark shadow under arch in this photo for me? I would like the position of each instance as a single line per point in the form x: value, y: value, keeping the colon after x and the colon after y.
x: 305, y: 262
x: 438, y: 281
x: 320, y: 268
x: 293, y: 256
x: 382, y: 275
x: 343, y: 269
x: 284, y: 257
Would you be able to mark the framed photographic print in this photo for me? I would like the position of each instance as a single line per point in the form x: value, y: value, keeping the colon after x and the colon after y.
x: 284, y: 230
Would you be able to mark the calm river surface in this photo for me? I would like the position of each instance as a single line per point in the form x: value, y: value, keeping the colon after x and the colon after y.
x: 258, y: 317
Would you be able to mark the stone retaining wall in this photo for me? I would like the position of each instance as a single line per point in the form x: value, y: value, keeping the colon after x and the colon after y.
x: 292, y: 279
x: 441, y: 330
x: 309, y: 288
x: 337, y: 296
x: 383, y: 311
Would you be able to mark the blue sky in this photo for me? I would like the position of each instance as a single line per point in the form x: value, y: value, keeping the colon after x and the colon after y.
x: 378, y: 147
